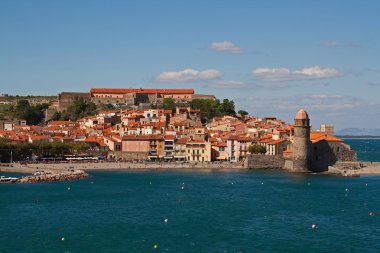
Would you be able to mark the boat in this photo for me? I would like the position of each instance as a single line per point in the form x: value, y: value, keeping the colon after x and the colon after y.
x: 4, y: 179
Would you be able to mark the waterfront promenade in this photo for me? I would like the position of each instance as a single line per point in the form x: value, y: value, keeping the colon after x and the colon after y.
x: 140, y: 166
x: 367, y: 168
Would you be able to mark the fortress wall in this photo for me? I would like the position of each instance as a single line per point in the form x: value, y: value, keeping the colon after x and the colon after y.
x: 128, y: 155
x: 255, y: 161
x: 65, y: 99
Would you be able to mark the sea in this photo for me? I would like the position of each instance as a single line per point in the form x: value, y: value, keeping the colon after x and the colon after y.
x: 196, y: 211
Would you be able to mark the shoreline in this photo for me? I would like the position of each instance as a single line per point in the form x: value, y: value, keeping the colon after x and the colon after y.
x: 367, y: 169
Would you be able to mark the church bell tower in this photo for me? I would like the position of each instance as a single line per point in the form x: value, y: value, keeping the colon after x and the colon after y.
x: 301, y: 142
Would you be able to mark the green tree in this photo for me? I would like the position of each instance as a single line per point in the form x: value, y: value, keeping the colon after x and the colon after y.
x: 208, y: 108
x: 257, y: 149
x: 243, y: 113
x: 78, y: 147
x: 169, y: 104
x: 56, y: 116
x: 33, y: 115
x: 227, y: 107
x: 79, y: 109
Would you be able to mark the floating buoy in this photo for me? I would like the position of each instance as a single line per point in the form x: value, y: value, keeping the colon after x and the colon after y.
x: 63, y: 238
x: 347, y: 190
x: 182, y: 187
x: 370, y: 213
x: 262, y: 182
x: 150, y: 182
x: 308, y: 184
x: 314, y: 226
x: 166, y: 220
x: 69, y: 188
x: 155, y: 246
x: 232, y: 183
x: 92, y: 182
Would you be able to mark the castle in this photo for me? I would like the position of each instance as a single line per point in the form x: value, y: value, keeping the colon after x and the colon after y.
x: 315, y: 151
x: 129, y: 96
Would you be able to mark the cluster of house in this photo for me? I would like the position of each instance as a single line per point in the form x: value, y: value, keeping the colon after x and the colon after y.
x: 163, y: 135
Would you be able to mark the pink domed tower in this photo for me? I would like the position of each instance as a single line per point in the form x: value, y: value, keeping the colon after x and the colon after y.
x: 301, y: 142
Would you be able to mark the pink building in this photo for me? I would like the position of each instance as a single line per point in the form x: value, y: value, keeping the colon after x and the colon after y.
x: 133, y: 143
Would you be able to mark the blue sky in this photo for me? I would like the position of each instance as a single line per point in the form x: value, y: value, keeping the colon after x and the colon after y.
x: 270, y: 57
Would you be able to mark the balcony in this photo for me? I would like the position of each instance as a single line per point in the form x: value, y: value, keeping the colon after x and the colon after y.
x: 169, y: 143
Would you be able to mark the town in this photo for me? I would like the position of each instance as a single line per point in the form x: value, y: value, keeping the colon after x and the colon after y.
x: 164, y: 125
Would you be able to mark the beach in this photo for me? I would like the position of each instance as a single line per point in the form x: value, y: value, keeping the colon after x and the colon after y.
x: 368, y: 168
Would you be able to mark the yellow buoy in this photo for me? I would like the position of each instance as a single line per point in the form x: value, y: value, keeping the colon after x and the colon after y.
x: 155, y: 246
x: 63, y: 238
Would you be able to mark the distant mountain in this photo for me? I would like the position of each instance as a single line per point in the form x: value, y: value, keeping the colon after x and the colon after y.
x: 359, y: 131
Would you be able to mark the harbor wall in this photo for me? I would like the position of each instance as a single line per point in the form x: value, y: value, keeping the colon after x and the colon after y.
x: 256, y: 161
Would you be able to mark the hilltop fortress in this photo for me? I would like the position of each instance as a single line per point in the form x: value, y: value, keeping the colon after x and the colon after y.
x: 129, y: 97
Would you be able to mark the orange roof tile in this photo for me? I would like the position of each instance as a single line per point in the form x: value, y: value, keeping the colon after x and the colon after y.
x: 148, y: 91
x: 321, y: 136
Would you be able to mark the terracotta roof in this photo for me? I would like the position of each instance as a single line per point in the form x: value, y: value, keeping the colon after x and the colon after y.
x: 320, y: 136
x: 141, y: 137
x: 276, y: 142
x: 196, y: 141
x: 182, y: 140
x: 148, y: 91
x: 222, y: 144
x: 61, y: 122
x: 169, y: 137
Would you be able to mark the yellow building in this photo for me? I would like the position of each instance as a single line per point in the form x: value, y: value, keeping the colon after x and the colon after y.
x: 198, y: 151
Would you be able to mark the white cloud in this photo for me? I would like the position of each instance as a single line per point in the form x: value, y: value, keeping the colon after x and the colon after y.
x: 339, y: 110
x: 330, y: 43
x: 226, y: 46
x: 229, y: 85
x: 284, y: 74
x: 188, y: 75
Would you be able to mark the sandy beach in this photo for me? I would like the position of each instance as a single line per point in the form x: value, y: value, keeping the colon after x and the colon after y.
x: 367, y: 167
x: 59, y: 167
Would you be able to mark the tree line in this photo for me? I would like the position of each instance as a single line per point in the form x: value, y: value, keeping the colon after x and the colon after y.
x: 209, y: 108
x: 79, y: 109
x: 33, y: 114
x: 29, y: 151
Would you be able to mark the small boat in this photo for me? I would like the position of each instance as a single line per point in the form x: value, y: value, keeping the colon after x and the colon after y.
x: 4, y: 179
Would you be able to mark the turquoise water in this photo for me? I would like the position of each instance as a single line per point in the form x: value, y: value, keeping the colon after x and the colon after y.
x: 367, y: 149
x: 214, y: 212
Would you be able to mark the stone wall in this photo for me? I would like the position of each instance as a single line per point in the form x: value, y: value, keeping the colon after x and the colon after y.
x: 65, y: 99
x: 325, y: 154
x: 254, y: 161
x: 128, y: 99
x: 119, y: 155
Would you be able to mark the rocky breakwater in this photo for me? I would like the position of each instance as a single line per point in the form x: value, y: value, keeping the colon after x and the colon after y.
x: 39, y: 177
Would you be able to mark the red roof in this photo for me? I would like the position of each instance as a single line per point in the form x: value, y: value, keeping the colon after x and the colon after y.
x: 141, y: 137
x: 222, y: 144
x: 148, y: 91
x: 276, y: 142
x: 321, y: 136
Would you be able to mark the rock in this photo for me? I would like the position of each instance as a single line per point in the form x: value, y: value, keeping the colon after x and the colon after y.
x: 63, y: 176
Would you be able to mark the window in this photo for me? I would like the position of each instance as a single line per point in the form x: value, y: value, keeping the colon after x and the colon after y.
x: 337, y: 149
